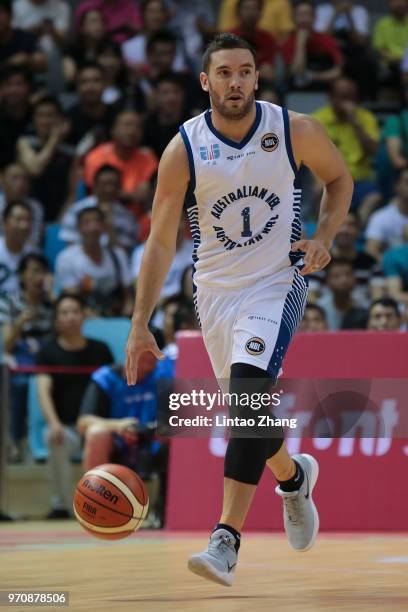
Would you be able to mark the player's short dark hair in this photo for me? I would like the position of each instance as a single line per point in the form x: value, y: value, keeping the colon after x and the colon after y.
x: 16, y: 204
x: 318, y: 309
x: 48, y: 101
x: 27, y: 259
x: 9, y: 71
x: 387, y: 302
x: 162, y: 36
x: 105, y: 169
x: 90, y: 209
x: 225, y: 41
x: 69, y: 295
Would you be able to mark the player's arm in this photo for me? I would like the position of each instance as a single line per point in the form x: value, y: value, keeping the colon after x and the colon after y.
x: 172, y: 182
x: 312, y: 147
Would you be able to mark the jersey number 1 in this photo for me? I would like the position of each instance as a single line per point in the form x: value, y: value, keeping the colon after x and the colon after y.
x: 246, y: 230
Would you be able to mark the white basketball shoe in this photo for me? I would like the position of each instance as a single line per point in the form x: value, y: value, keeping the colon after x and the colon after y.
x: 218, y: 562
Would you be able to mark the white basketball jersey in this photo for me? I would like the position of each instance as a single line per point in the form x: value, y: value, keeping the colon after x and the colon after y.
x: 243, y: 200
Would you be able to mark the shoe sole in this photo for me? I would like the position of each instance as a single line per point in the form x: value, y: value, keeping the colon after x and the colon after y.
x: 313, y: 479
x: 202, y: 568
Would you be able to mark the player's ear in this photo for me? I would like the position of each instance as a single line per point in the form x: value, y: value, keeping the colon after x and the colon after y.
x: 256, y: 80
x: 204, y: 81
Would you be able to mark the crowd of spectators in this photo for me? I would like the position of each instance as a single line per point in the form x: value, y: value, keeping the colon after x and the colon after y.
x: 92, y: 91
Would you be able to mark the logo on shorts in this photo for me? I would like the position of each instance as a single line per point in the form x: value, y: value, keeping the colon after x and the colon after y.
x: 269, y: 142
x: 255, y: 346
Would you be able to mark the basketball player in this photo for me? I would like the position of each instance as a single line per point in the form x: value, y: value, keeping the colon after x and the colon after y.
x: 238, y: 164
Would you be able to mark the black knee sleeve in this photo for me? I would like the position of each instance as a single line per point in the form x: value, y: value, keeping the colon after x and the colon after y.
x: 249, y: 446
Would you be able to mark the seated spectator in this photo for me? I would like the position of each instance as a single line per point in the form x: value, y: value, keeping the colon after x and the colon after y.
x: 47, y: 157
x: 15, y: 110
x: 391, y: 37
x: 14, y: 244
x: 90, y: 119
x: 249, y: 14
x: 312, y: 58
x: 345, y: 246
x: 276, y: 17
x: 60, y: 394
x: 116, y: 76
x: 388, y: 227
x: 181, y: 260
x: 155, y: 18
x: 314, y: 319
x: 354, y: 130
x: 162, y: 124
x: 16, y: 186
x: 100, y: 273
x: 26, y: 318
x: 268, y: 93
x: 349, y: 24
x: 136, y: 165
x: 119, y: 422
x: 395, y: 266
x: 342, y: 309
x: 121, y: 227
x: 16, y: 46
x: 178, y: 314
x: 194, y: 24
x: 122, y: 17
x: 384, y: 315
x: 48, y: 20
x: 396, y: 135
x: 90, y: 35
x: 161, y: 52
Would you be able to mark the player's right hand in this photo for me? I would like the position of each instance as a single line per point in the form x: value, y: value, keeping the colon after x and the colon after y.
x: 140, y: 340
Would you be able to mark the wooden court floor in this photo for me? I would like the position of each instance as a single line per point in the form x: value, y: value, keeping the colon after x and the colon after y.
x: 147, y: 572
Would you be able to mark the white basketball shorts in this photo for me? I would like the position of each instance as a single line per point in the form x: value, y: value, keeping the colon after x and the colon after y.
x: 253, y: 325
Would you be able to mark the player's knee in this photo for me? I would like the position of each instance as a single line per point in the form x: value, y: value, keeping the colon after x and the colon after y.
x: 245, y: 459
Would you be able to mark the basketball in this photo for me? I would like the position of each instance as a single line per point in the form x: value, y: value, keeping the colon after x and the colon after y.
x: 110, y: 501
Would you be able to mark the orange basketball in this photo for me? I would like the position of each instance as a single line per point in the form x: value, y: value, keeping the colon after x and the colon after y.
x: 110, y: 501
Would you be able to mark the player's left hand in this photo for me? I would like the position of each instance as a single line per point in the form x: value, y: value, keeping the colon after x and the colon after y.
x: 316, y: 257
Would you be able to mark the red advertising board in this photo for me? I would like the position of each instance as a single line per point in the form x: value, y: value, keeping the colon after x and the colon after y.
x: 361, y: 484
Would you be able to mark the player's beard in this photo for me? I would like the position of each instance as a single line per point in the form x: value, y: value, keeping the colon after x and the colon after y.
x: 234, y: 114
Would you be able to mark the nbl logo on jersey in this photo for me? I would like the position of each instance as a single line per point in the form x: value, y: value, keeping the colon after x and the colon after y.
x: 269, y: 142
x: 255, y: 346
x: 210, y: 153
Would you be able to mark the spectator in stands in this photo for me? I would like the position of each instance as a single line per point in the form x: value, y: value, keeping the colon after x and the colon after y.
x: 15, y: 110
x: 276, y: 17
x: 120, y: 224
x: 342, y: 309
x: 89, y: 38
x: 161, y: 52
x: 249, y: 13
x: 314, y: 319
x: 119, y: 422
x: 16, y: 186
x: 182, y: 260
x: 136, y: 165
x: 396, y: 134
x: 313, y: 59
x: 100, y: 273
x: 391, y: 36
x: 60, y: 394
x: 18, y: 47
x: 349, y: 23
x: 178, y: 314
x: 354, y: 130
x: 384, y: 315
x: 48, y: 20
x: 395, y: 266
x: 90, y: 119
x: 26, y: 319
x: 116, y: 76
x: 122, y: 17
x: 168, y: 114
x: 388, y: 227
x: 345, y: 246
x: 155, y: 18
x: 17, y: 226
x: 47, y: 157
